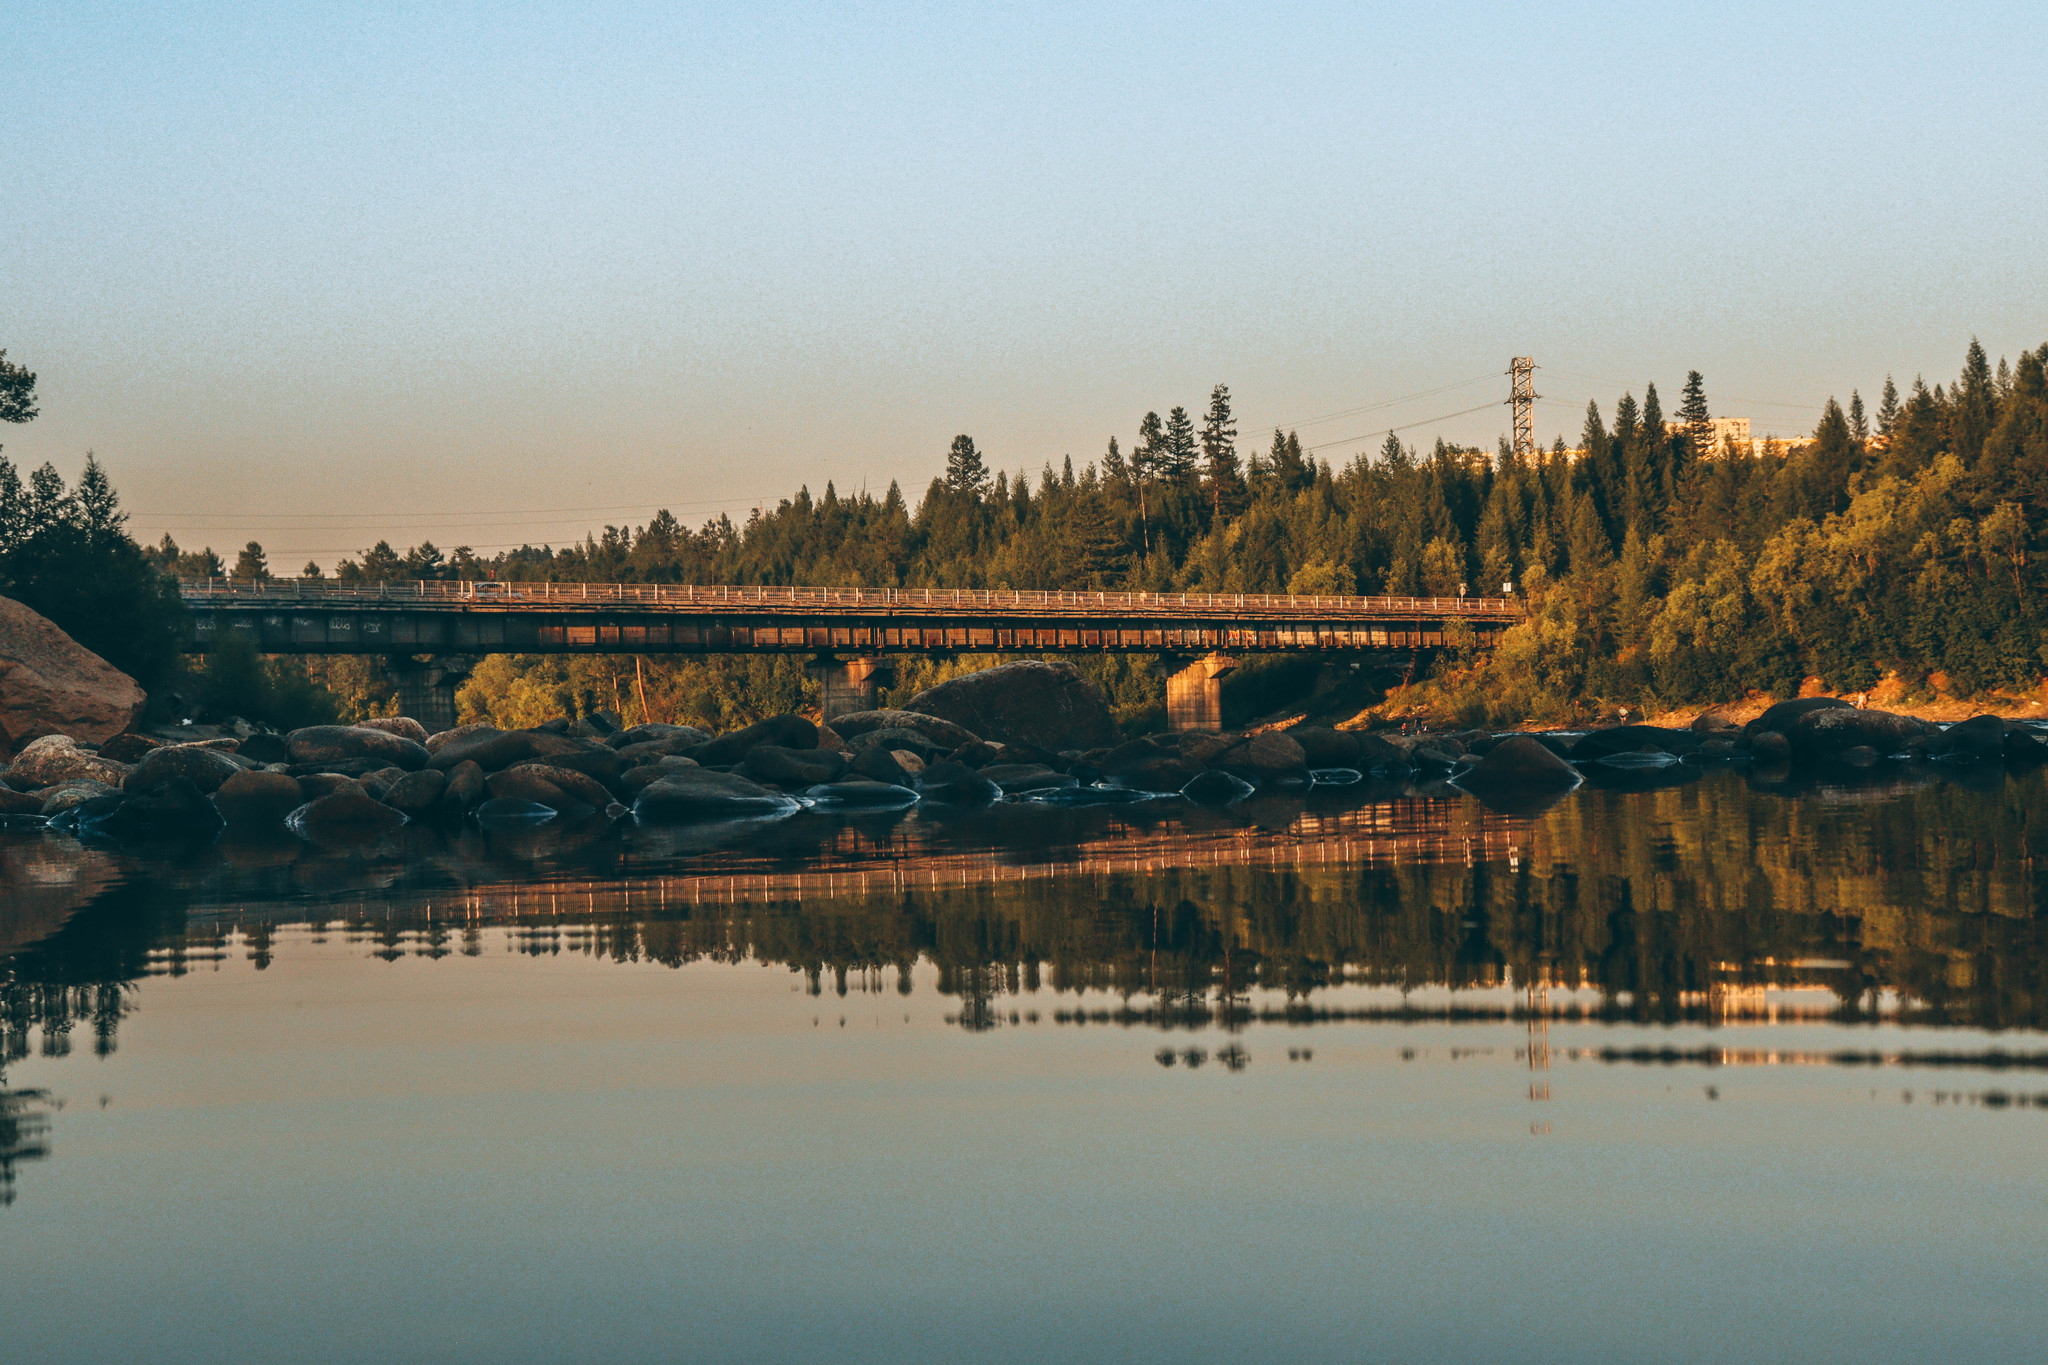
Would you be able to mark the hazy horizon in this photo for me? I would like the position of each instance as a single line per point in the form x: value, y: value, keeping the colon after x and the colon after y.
x: 317, y: 277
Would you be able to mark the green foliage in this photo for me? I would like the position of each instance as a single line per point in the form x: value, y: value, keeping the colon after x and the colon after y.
x: 279, y: 692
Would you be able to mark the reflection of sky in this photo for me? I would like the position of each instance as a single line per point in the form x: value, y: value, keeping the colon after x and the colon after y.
x: 564, y: 1158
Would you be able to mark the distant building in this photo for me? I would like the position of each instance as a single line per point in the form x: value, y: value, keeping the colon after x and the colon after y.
x: 1726, y: 429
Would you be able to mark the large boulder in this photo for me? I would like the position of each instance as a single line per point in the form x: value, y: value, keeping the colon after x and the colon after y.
x: 465, y: 788
x: 578, y: 787
x: 1031, y: 702
x: 1152, y: 763
x: 417, y: 794
x: 1826, y: 733
x: 403, y: 726
x: 943, y: 733
x: 1326, y: 748
x: 343, y: 743
x: 1271, y: 758
x: 493, y: 750
x: 176, y: 809
x: 792, y: 768
x: 257, y: 800
x: 881, y: 765
x: 207, y: 767
x: 52, y: 685
x: 344, y: 814
x: 1780, y: 719
x: 654, y: 732
x: 689, y: 794
x: 55, y: 759
x: 71, y: 795
x: 1521, y: 762
x: 784, y: 732
x: 1976, y: 738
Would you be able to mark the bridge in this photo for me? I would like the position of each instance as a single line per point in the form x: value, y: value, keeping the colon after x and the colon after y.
x: 431, y: 630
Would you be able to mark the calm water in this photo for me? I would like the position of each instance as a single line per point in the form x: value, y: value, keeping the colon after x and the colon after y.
x: 1704, y: 1071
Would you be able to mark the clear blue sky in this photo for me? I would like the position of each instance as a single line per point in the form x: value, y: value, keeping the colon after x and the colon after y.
x: 319, y: 273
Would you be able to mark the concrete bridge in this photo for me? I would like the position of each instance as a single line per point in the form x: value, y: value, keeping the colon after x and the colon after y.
x: 431, y: 632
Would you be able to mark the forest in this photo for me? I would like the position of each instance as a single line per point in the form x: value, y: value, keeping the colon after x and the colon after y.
x: 1658, y: 570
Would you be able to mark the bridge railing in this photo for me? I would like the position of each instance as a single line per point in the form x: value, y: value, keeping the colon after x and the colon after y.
x: 501, y: 592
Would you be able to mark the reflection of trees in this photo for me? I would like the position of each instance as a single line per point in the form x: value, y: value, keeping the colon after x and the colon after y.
x: 22, y: 1125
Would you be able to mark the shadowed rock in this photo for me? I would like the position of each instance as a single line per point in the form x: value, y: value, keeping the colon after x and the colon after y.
x: 405, y: 727
x: 1216, y: 788
x: 786, y: 732
x: 1827, y: 732
x: 52, y: 685
x: 1031, y: 702
x: 1976, y: 738
x: 340, y: 743
x: 1270, y: 759
x: 257, y: 800
x: 695, y: 794
x: 417, y: 793
x: 1520, y: 762
x: 943, y: 733
x: 792, y: 768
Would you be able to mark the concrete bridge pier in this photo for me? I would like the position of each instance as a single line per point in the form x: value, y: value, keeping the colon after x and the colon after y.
x: 1194, y: 695
x: 849, y: 685
x: 426, y: 686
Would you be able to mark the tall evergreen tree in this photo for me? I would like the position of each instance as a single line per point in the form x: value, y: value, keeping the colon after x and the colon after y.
x: 966, y: 474
x: 1888, y: 410
x: 1694, y: 418
x: 1227, y: 494
x: 1178, y: 462
x: 252, y: 565
x: 1859, y: 425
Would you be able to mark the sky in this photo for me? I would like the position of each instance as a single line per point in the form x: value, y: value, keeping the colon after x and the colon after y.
x: 489, y: 274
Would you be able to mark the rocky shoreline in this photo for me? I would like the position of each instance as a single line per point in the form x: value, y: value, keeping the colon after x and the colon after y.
x: 347, y: 781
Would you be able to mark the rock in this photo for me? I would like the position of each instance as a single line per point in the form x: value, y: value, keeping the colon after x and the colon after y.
x: 1150, y: 764
x: 1377, y: 753
x: 1031, y: 702
x: 906, y: 761
x: 1216, y: 788
x: 174, y: 809
x: 1325, y: 748
x: 127, y: 748
x: 465, y: 788
x: 979, y: 754
x: 266, y: 749
x: 1860, y: 756
x: 1429, y: 756
x: 417, y: 793
x: 785, y: 732
x: 605, y: 722
x: 1771, y: 746
x: 574, y: 785
x: 340, y: 743
x: 378, y: 784
x: 317, y: 785
x: 915, y: 741
x: 403, y: 726
x: 600, y: 764
x: 1826, y: 732
x: 441, y: 738
x: 1633, y: 739
x: 20, y: 803
x: 654, y: 733
x: 1721, y: 747
x: 256, y: 800
x: 54, y: 759
x: 2025, y: 745
x: 1978, y: 737
x: 357, y: 768
x: 792, y: 768
x: 647, y: 751
x: 636, y: 780
x: 493, y: 750
x: 1268, y: 759
x: 1714, y: 723
x: 1521, y: 761
x: 880, y: 765
x: 52, y: 685
x: 694, y: 794
x: 343, y: 813
x: 1780, y: 718
x: 1024, y: 777
x: 71, y: 795
x: 864, y: 793
x: 943, y: 734
x: 830, y: 739
x: 526, y: 784
x: 952, y: 785
x: 507, y: 811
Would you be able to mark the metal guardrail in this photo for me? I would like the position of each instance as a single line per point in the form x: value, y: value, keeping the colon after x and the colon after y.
x: 684, y: 597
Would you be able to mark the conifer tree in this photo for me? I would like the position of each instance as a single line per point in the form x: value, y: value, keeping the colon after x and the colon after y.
x: 1694, y: 418
x: 965, y: 472
x: 1148, y: 464
x: 251, y: 566
x: 1859, y: 425
x: 1888, y: 410
x: 17, y: 392
x: 1227, y: 495
x: 1178, y: 462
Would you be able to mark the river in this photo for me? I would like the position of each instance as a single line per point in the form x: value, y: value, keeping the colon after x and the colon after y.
x: 1682, y: 1067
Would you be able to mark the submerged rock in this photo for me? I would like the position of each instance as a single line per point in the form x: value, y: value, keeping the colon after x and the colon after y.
x: 1216, y: 788
x: 1521, y: 761
x: 863, y: 793
x: 343, y: 812
x: 1976, y: 738
x: 253, y: 800
x: 696, y: 794
x: 1268, y: 759
x: 952, y: 785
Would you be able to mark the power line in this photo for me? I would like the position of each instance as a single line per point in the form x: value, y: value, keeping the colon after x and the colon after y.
x: 1390, y: 402
x: 1409, y: 426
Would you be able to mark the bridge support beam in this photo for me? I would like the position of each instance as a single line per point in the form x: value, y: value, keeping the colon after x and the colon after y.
x: 1194, y: 695
x: 426, y: 686
x: 849, y: 685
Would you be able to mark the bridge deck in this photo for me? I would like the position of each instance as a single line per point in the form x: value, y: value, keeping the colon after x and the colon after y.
x: 314, y: 616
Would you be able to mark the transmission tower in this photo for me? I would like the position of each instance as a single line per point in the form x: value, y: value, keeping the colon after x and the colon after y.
x: 1522, y: 397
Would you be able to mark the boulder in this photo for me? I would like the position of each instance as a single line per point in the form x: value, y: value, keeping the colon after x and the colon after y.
x: 1633, y: 739
x: 785, y: 732
x: 1770, y: 746
x: 1859, y: 756
x: 829, y: 738
x: 576, y: 786
x: 652, y: 733
x: 266, y: 749
x: 54, y: 759
x: 1152, y: 763
x: 636, y: 780
x: 1031, y: 702
x: 206, y: 767
x: 915, y: 741
x: 341, y: 743
x: 1271, y: 758
x: 127, y: 748
x: 1521, y: 761
x: 71, y: 795
x: 436, y: 741
x: 600, y: 764
x: 1024, y: 777
x: 417, y: 794
x: 344, y: 813
x: 526, y: 784
x: 20, y: 803
x: 909, y: 762
x: 257, y: 800
x: 1216, y: 788
x: 1827, y: 732
x: 404, y: 726
x: 1713, y: 723
x: 943, y: 734
x: 2024, y: 744
x: 348, y: 767
x: 52, y: 685
x: 695, y: 794
x: 862, y: 793
x: 881, y: 765
x: 378, y: 784
x: 979, y: 754
x: 1780, y: 718
x: 176, y: 809
x: 465, y: 788
x: 792, y: 768
x: 493, y: 750
x: 952, y: 785
x: 647, y: 751
x: 1325, y: 748
x: 1978, y: 737
x: 317, y: 785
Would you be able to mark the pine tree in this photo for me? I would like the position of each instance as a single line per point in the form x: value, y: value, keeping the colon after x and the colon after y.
x: 17, y: 392
x: 1178, y: 463
x: 1148, y: 463
x: 1694, y: 418
x: 251, y: 566
x: 965, y: 472
x: 13, y: 507
x: 1227, y: 495
x: 1114, y: 471
x: 1859, y: 425
x: 1888, y: 410
x: 99, y: 509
